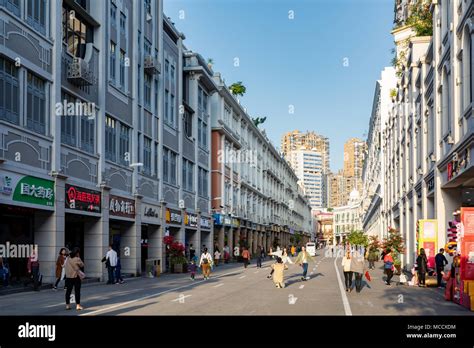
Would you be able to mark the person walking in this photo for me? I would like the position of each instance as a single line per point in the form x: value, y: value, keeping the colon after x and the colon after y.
x: 4, y: 272
x: 259, y: 256
x: 441, y: 262
x: 74, y: 278
x: 346, y: 268
x: 33, y: 267
x: 192, y: 269
x: 110, y: 260
x: 217, y: 256
x: 293, y: 250
x: 192, y: 251
x: 118, y: 272
x: 388, y: 265
x: 422, y: 263
x: 246, y: 257
x: 372, y: 257
x: 226, y: 254
x: 285, y: 257
x: 60, y: 272
x: 205, y: 263
x: 302, y: 259
x: 358, y: 268
x: 278, y: 273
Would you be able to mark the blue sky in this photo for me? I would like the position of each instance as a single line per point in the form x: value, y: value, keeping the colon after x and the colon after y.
x: 324, y: 61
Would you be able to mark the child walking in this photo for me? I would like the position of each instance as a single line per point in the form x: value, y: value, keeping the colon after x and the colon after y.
x: 192, y: 269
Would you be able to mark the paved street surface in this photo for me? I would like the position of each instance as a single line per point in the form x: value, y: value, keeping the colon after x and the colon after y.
x: 234, y: 290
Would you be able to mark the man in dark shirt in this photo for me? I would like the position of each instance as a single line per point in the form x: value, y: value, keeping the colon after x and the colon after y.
x: 440, y: 261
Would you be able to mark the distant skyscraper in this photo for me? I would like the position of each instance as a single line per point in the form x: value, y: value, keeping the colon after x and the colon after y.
x: 308, y: 166
x: 295, y: 140
x: 354, y: 154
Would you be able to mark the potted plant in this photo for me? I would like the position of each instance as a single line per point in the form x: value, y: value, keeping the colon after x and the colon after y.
x: 177, y: 259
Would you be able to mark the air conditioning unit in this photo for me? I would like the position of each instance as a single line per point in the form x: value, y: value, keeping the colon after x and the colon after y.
x: 432, y: 158
x: 151, y: 65
x: 78, y: 72
x: 450, y: 140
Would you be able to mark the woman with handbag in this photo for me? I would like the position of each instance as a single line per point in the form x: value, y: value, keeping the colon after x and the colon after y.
x: 388, y: 265
x: 60, y: 272
x: 205, y: 263
x: 74, y: 277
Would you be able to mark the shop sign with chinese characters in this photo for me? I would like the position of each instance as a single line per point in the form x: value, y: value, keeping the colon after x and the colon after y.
x: 78, y: 198
x: 123, y: 207
x: 35, y: 191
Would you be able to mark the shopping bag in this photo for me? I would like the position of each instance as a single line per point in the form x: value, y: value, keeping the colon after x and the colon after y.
x: 367, y: 276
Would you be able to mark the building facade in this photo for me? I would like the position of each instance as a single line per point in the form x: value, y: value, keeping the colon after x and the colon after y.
x: 94, y: 149
x: 256, y: 198
x: 430, y: 131
x: 373, y: 184
x: 347, y: 218
x: 308, y: 167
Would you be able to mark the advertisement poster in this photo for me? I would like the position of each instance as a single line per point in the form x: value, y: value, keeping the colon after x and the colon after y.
x: 428, y: 239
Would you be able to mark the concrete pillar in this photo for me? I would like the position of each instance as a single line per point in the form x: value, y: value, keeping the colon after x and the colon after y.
x: 131, y: 239
x: 255, y: 242
x: 155, y: 243
x: 221, y: 234
x: 230, y: 241
x: 250, y: 240
x: 96, y: 240
x: 49, y: 232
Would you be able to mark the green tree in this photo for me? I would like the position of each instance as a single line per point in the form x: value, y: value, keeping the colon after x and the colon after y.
x: 358, y: 238
x: 258, y: 120
x: 420, y: 18
x: 237, y: 88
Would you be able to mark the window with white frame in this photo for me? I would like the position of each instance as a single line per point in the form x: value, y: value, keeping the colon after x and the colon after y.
x: 167, y: 107
x: 68, y: 123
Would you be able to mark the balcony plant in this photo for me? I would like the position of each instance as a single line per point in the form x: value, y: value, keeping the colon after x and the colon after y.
x: 420, y: 18
x: 237, y: 88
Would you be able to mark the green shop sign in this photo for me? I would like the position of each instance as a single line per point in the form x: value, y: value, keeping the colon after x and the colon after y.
x: 35, y: 191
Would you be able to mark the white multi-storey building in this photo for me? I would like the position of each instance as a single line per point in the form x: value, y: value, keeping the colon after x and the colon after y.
x: 429, y: 138
x: 372, y: 177
x: 347, y: 218
x: 308, y: 166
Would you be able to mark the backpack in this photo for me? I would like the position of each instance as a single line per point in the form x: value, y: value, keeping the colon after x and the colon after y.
x: 388, y: 265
